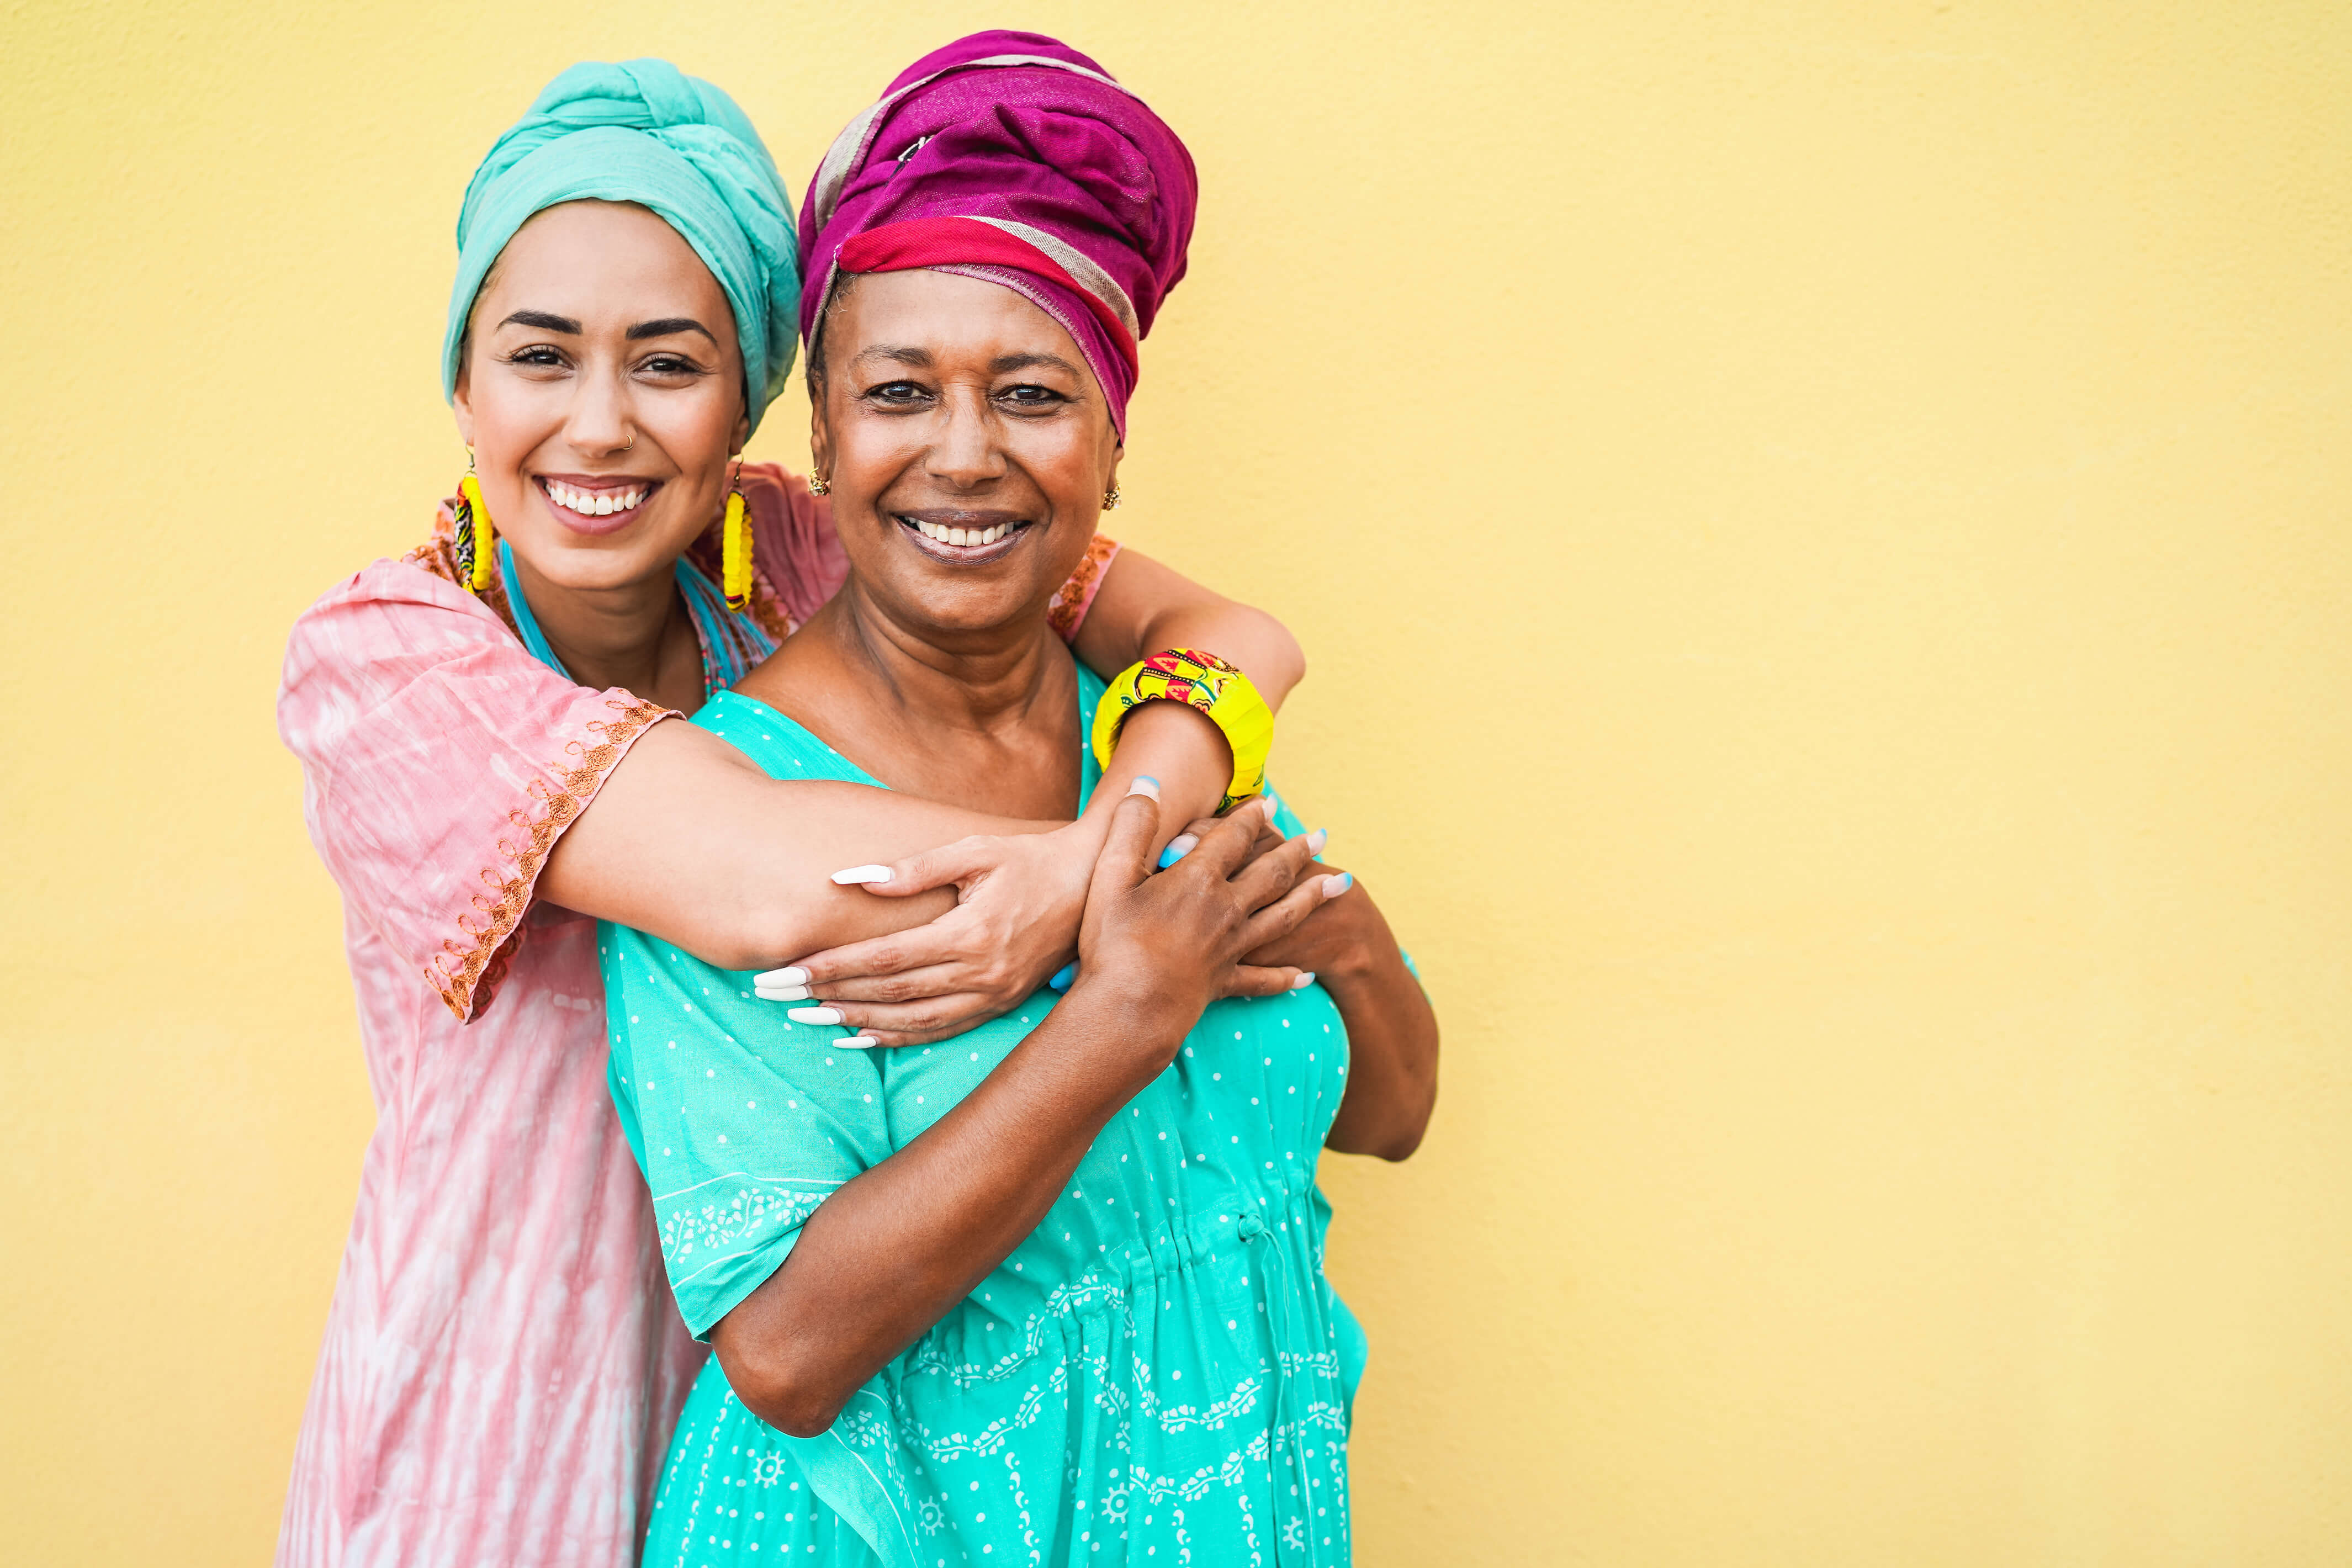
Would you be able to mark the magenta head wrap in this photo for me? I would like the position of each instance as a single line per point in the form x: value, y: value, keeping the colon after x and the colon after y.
x: 1011, y: 157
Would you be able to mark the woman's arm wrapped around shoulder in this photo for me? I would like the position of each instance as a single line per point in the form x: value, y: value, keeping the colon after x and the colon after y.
x: 450, y: 776
x: 913, y: 986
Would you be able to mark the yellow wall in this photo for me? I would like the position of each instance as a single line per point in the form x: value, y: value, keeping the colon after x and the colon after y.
x: 1821, y: 530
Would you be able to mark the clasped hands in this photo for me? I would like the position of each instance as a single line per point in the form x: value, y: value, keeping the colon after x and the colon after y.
x: 1021, y: 907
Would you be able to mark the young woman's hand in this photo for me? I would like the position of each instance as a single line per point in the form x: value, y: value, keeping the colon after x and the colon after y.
x: 1020, y: 897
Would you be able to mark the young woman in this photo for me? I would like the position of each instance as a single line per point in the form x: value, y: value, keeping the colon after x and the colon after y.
x: 483, y: 728
x: 1052, y: 1292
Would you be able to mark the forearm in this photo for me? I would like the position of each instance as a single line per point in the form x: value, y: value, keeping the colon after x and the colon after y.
x: 1142, y: 608
x: 1392, y: 1039
x: 689, y: 841
x: 891, y: 1251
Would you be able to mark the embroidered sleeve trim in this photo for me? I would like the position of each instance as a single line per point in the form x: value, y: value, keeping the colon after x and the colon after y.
x: 1074, y: 598
x: 468, y: 973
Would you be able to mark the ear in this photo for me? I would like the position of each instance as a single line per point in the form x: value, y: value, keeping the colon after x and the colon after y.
x: 462, y: 399
x: 820, y: 437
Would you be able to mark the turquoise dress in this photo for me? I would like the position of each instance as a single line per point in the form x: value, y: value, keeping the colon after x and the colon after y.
x: 1159, y: 1373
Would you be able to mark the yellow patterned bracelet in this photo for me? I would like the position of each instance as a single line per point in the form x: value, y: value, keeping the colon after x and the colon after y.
x: 1206, y: 683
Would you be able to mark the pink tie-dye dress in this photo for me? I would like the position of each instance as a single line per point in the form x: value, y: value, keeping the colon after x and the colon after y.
x: 502, y: 1363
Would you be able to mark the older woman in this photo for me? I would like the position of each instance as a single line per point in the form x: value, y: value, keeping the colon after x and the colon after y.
x: 483, y: 732
x: 1052, y: 1291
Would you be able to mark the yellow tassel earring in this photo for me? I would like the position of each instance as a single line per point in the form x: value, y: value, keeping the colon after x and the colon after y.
x: 735, y: 548
x: 477, y: 540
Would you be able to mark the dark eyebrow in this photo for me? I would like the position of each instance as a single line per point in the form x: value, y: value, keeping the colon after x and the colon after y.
x: 668, y: 325
x: 920, y: 358
x: 543, y: 321
x: 1004, y: 363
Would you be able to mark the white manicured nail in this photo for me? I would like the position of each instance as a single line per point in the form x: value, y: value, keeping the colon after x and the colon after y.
x: 1304, y: 981
x: 782, y: 992
x: 1145, y: 785
x: 1316, y: 840
x: 1335, y: 886
x: 860, y: 1042
x: 856, y: 875
x: 792, y: 974
x: 815, y: 1014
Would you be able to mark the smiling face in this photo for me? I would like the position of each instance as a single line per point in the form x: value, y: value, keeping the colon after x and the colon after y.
x: 968, y: 445
x: 602, y: 391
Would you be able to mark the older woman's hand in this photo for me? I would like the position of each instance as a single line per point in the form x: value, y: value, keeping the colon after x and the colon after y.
x: 1292, y: 962
x: 1168, y: 945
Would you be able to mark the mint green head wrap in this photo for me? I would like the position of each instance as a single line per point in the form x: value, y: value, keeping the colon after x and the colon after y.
x: 645, y: 132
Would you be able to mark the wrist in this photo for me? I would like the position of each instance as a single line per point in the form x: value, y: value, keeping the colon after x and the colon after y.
x: 1180, y: 747
x: 1128, y: 1012
x: 1353, y: 945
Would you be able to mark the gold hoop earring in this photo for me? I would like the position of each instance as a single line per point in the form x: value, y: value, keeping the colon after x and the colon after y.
x: 819, y: 486
x: 1110, y: 498
x: 477, y: 541
x: 735, y: 546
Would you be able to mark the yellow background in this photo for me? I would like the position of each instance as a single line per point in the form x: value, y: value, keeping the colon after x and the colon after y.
x: 1822, y: 534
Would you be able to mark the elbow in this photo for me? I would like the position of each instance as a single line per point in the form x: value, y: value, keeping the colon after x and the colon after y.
x: 1398, y: 1141
x: 783, y: 1395
x: 756, y: 936
x: 1284, y: 662
x: 1394, y: 1131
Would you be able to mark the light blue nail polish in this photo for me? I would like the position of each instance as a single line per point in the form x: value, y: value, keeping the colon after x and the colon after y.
x: 1169, y: 855
x: 1147, y: 778
x: 1064, y: 976
x: 1347, y: 880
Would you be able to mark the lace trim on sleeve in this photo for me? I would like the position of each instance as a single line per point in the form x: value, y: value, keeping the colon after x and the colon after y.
x: 467, y: 975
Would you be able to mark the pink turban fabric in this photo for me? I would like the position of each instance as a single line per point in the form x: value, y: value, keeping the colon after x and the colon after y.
x: 1011, y: 157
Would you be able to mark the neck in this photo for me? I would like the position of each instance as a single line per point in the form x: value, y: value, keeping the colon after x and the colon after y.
x: 984, y: 680
x: 626, y: 636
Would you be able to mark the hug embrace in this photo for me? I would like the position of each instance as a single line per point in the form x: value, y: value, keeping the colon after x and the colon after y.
x: 986, y: 1166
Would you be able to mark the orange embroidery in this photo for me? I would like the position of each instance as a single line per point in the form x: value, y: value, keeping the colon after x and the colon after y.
x: 460, y: 973
x: 1070, y: 600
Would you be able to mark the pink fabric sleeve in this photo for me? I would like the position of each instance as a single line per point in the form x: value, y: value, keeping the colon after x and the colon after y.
x: 441, y: 762
x: 1073, y: 599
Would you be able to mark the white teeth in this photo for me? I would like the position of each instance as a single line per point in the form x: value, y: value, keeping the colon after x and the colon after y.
x: 965, y: 536
x: 591, y: 504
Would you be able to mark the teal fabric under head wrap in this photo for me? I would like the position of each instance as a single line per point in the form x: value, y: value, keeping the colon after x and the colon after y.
x: 645, y: 132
